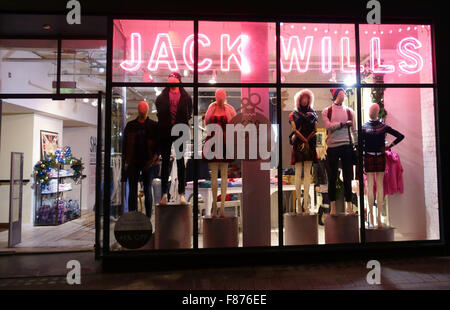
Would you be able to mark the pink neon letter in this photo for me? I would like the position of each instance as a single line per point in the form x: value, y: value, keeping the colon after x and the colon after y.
x: 403, y: 50
x: 237, y: 44
x: 163, y: 48
x: 346, y: 67
x: 291, y: 53
x: 376, y: 53
x: 326, y: 54
x: 203, y: 65
x: 133, y: 64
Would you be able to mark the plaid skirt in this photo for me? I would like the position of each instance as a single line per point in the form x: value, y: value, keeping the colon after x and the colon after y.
x: 374, y: 163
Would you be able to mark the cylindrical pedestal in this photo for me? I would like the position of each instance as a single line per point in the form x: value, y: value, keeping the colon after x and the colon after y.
x: 173, y: 226
x: 384, y: 234
x: 341, y: 229
x: 300, y: 229
x: 220, y: 232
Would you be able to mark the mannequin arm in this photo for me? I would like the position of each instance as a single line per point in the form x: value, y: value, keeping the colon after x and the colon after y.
x: 329, y: 125
x: 210, y: 112
x: 294, y: 129
x: 313, y: 132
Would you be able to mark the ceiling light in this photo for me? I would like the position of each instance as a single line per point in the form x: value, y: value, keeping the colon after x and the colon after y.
x: 85, y: 100
x: 185, y: 72
x: 46, y: 26
x: 101, y: 70
x: 349, y: 81
x: 94, y: 103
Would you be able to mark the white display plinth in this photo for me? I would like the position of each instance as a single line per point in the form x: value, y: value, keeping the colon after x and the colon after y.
x: 220, y: 232
x: 301, y: 229
x: 173, y: 226
x: 341, y: 228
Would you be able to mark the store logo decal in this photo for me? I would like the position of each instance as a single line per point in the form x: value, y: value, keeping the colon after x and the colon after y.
x: 374, y: 275
x: 295, y: 54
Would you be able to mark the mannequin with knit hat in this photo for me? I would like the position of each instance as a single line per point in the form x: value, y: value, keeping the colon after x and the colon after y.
x: 338, y: 121
x: 303, y: 139
x: 139, y: 156
x: 221, y: 113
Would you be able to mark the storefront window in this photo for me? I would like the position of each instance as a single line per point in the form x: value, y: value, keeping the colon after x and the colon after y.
x: 317, y: 53
x: 396, y: 54
x: 310, y: 194
x: 148, y: 50
x: 237, y: 52
x: 322, y: 182
x: 28, y: 66
x: 405, y: 176
x: 83, y: 66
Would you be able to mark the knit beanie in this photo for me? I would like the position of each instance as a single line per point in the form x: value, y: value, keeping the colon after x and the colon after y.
x: 176, y: 75
x: 335, y: 92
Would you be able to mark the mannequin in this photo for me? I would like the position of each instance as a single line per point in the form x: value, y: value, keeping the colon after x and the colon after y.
x: 139, y: 157
x: 374, y: 137
x: 338, y: 119
x: 303, y: 139
x: 173, y: 106
x: 221, y: 113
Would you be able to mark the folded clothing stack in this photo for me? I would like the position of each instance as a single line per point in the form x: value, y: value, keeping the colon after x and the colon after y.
x: 48, y: 214
x: 72, y: 210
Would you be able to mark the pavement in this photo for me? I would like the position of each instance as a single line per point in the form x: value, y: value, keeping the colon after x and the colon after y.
x: 49, y: 272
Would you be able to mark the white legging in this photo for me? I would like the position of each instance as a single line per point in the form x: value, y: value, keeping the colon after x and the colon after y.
x: 214, y: 166
x: 306, y: 183
x: 379, y: 194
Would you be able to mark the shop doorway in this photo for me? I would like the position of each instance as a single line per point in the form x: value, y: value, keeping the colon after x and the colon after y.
x: 58, y: 198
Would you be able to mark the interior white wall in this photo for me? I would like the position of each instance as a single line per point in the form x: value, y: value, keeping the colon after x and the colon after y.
x: 79, y: 139
x: 20, y: 141
x: 407, y: 210
x: 36, y: 77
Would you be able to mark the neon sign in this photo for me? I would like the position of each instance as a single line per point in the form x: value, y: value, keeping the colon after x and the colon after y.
x: 295, y: 54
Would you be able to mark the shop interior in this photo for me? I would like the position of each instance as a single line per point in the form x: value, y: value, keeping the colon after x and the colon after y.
x: 59, y: 215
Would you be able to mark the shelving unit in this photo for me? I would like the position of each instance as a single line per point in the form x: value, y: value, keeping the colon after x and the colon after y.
x: 56, y: 207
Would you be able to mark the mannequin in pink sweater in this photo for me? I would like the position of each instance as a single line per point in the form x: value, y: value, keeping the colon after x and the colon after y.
x: 338, y: 120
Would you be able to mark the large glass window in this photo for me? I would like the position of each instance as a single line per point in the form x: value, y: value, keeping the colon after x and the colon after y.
x: 396, y: 54
x: 317, y: 53
x: 239, y: 53
x: 401, y: 183
x: 83, y: 66
x: 148, y: 50
x: 28, y: 66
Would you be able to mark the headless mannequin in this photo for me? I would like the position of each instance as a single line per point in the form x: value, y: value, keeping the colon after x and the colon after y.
x: 339, y: 100
x: 307, y: 176
x: 163, y: 201
x: 219, y: 108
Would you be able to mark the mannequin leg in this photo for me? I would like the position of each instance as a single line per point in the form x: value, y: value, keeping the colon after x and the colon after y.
x: 380, y: 179
x: 306, y: 185
x: 298, y: 185
x: 214, y: 172
x: 370, y: 176
x: 223, y: 187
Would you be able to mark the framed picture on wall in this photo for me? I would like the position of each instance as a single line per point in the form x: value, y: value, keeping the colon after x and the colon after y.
x: 49, y: 142
x: 321, y: 136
